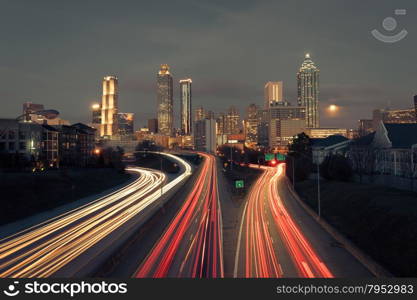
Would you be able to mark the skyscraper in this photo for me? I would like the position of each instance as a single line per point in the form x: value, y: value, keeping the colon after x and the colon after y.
x: 284, y: 123
x: 308, y: 91
x: 232, y: 124
x: 165, y: 101
x: 96, y: 117
x: 96, y: 114
x: 273, y: 93
x: 200, y: 114
x: 125, y: 123
x: 252, y: 121
x: 186, y: 117
x: 109, y: 106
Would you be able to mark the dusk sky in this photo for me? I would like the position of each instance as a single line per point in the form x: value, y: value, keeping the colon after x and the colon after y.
x: 57, y: 52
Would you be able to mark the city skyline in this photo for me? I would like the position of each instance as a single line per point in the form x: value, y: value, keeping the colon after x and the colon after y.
x: 241, y: 79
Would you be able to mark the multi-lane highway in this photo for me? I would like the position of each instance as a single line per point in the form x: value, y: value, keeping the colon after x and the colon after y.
x: 191, y: 245
x: 272, y: 238
x: 44, y: 249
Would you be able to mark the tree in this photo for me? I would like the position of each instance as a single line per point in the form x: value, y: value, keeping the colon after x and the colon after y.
x: 300, y: 154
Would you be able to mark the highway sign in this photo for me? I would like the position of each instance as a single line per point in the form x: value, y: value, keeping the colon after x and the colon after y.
x: 239, y: 184
x: 281, y: 157
x: 269, y: 156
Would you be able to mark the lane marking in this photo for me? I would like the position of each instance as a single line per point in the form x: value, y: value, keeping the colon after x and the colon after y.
x: 238, y: 241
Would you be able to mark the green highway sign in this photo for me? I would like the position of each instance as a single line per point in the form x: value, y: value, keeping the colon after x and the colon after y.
x: 281, y: 157
x: 269, y: 156
x: 239, y: 184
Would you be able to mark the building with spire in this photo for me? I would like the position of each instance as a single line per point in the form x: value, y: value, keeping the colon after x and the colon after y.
x: 308, y: 91
x: 165, y: 101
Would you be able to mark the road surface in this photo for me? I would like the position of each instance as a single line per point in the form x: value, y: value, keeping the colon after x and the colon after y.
x: 44, y: 249
x: 191, y: 246
x: 277, y: 238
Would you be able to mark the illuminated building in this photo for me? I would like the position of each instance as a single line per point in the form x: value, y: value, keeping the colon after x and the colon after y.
x: 109, y: 106
x: 399, y: 116
x: 186, y: 107
x: 321, y: 133
x: 273, y: 93
x: 251, y: 124
x: 30, y: 108
x: 96, y: 116
x: 365, y: 127
x: 284, y: 123
x: 125, y: 123
x: 308, y: 91
x: 96, y: 113
x: 200, y: 114
x: 165, y: 101
x: 153, y: 125
x: 232, y: 121
x: 263, y: 127
x: 37, y: 143
x: 205, y: 135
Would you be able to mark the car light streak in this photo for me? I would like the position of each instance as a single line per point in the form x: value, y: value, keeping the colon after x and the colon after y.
x: 261, y: 258
x: 43, y: 249
x: 200, y: 215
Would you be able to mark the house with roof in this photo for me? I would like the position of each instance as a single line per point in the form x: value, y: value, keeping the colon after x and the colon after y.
x: 396, y: 147
x: 323, y: 147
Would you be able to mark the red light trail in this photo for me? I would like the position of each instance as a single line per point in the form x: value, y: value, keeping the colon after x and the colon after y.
x: 261, y: 256
x: 195, y: 227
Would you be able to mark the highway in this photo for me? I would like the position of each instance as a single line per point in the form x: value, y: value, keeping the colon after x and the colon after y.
x: 191, y: 245
x: 44, y: 249
x: 278, y: 239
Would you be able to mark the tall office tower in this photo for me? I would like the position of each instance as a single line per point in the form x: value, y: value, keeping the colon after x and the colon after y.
x: 165, y: 101
x: 308, y: 91
x: 109, y: 106
x: 252, y: 122
x: 221, y: 124
x: 125, y: 123
x: 186, y: 117
x: 96, y: 117
x: 200, y: 114
x: 415, y: 106
x: 284, y: 123
x: 205, y: 135
x: 232, y: 124
x: 273, y: 93
x: 96, y: 114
